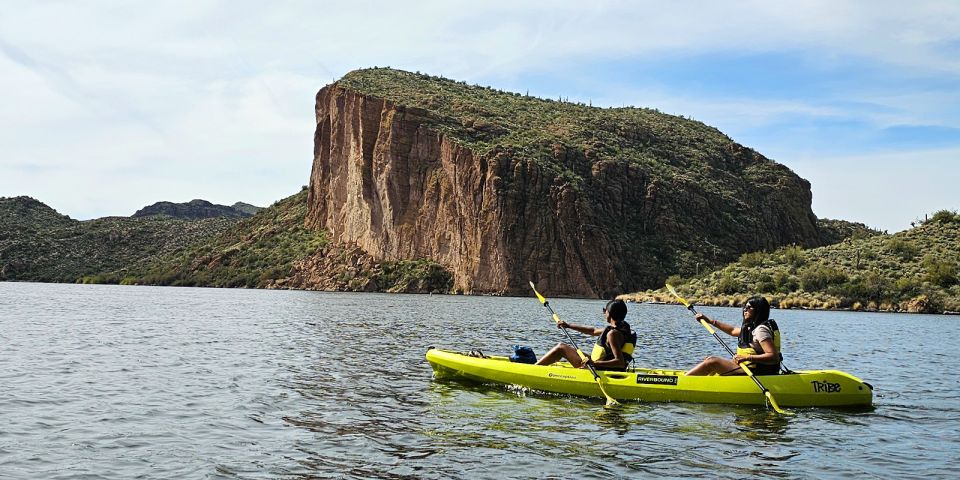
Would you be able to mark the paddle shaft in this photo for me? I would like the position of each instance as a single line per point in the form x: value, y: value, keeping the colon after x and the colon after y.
x: 556, y: 318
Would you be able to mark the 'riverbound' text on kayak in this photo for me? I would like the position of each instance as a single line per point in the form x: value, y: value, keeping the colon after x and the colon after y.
x: 657, y: 379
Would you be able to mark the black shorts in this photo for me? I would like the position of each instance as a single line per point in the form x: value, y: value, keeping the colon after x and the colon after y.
x: 765, y: 369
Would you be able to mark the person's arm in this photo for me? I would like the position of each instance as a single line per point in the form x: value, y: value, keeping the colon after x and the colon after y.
x: 581, y: 328
x: 614, y: 339
x: 731, y: 330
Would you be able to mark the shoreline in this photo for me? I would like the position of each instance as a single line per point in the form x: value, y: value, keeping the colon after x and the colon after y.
x: 731, y: 301
x: 776, y: 302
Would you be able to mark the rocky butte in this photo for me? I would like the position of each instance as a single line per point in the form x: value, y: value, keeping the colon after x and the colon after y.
x: 502, y: 188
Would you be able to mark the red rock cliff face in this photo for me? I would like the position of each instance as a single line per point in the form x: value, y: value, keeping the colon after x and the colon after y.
x: 384, y: 181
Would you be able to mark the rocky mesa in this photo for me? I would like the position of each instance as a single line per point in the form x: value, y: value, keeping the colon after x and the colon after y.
x: 502, y: 188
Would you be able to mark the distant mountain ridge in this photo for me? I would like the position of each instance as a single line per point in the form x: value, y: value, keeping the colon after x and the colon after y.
x: 39, y: 244
x: 197, y: 208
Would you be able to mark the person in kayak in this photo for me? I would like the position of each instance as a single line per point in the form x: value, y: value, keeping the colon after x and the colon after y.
x: 758, y: 343
x: 614, y: 348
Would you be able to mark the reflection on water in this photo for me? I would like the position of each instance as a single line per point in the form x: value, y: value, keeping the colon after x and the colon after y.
x: 613, y: 419
x: 123, y: 382
x: 763, y: 425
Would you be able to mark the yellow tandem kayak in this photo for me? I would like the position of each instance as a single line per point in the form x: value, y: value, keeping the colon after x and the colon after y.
x: 805, y: 388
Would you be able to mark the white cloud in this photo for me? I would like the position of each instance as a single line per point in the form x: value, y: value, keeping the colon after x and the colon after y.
x: 120, y: 104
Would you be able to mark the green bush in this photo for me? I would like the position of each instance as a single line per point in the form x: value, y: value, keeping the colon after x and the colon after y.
x: 753, y: 259
x: 784, y: 282
x: 869, y: 287
x: 819, y: 277
x: 793, y: 256
x: 907, y: 287
x: 727, y: 285
x: 940, y: 272
x: 902, y: 249
x: 944, y: 217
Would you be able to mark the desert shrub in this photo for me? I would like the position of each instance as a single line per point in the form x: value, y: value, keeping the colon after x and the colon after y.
x: 871, y: 287
x: 819, y: 277
x: 793, y: 256
x: 902, y: 249
x: 675, y: 280
x: 940, y: 272
x: 785, y: 282
x: 763, y: 282
x: 944, y: 217
x: 727, y: 285
x: 753, y: 259
x: 907, y: 286
x: 414, y: 275
x: 766, y: 287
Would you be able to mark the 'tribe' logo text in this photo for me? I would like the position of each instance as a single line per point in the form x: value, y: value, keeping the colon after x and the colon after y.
x: 825, y: 387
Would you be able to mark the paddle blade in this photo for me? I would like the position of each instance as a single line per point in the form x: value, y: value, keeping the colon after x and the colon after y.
x: 770, y: 399
x: 675, y: 294
x: 773, y: 403
x: 539, y: 297
x: 611, y: 402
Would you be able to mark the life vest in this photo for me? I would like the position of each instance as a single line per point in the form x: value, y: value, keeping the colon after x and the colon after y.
x: 745, y: 342
x: 602, y: 351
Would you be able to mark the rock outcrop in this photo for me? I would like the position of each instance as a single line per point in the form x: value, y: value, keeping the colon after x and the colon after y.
x: 588, y: 213
x: 196, y: 209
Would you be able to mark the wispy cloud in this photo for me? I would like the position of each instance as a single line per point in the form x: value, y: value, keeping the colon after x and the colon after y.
x: 214, y: 99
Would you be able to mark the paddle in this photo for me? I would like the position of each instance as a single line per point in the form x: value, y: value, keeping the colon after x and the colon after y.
x: 773, y: 403
x: 610, y: 400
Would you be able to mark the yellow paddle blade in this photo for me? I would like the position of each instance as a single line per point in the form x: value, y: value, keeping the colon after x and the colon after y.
x: 776, y: 408
x: 773, y: 403
x: 539, y: 297
x: 675, y: 294
x: 611, y: 402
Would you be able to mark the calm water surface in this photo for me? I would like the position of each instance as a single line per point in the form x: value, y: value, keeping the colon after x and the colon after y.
x: 126, y: 382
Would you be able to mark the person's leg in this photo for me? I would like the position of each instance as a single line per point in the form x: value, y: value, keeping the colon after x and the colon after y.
x: 714, y: 364
x: 562, y: 350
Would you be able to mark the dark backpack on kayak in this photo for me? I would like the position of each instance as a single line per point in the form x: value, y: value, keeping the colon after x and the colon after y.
x: 523, y: 354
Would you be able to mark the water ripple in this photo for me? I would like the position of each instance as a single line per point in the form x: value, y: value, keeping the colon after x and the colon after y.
x: 125, y: 382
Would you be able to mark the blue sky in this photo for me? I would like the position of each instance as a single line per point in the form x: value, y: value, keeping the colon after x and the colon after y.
x: 110, y: 106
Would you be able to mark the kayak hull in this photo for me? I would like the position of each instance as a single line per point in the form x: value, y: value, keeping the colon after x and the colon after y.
x: 807, y: 388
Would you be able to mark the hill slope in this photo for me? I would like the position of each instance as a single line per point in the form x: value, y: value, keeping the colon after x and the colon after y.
x: 913, y: 271
x: 38, y: 244
x: 273, y: 249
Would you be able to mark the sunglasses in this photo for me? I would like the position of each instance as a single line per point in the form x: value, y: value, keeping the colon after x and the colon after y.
x: 747, y: 307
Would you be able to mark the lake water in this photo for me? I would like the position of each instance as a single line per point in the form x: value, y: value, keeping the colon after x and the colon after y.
x: 125, y: 382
